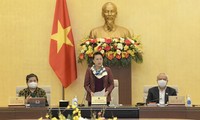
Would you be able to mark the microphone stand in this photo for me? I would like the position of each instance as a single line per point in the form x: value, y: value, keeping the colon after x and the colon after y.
x: 63, y: 93
x: 83, y: 100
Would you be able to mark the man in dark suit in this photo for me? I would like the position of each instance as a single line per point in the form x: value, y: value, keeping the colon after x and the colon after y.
x: 160, y: 93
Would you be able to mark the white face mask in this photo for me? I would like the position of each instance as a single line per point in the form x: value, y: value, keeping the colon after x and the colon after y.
x: 162, y: 83
x: 32, y: 84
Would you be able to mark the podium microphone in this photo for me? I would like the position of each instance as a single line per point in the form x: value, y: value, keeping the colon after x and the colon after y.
x: 83, y: 100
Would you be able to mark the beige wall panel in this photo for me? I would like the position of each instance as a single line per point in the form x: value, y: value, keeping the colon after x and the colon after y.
x: 169, y: 32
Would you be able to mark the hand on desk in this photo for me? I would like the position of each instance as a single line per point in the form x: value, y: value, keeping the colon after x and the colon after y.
x: 27, y: 98
x: 106, y: 93
x: 92, y: 94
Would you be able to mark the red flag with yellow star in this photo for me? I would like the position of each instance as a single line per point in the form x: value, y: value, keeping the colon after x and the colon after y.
x: 62, y: 50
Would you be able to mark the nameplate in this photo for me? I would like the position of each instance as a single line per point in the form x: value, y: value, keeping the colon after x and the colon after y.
x: 176, y: 100
x: 16, y: 101
x: 99, y: 100
x: 37, y: 102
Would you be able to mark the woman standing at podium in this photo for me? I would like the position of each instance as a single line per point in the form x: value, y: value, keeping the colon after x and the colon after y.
x: 98, y: 78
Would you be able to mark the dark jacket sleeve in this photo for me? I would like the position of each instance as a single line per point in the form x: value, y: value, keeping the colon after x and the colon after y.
x: 171, y: 91
x: 153, y: 95
x: 149, y: 97
x: 174, y: 93
x: 87, y: 81
x: 110, y: 80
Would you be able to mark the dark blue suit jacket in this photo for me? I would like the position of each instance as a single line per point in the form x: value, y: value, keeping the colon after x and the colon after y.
x: 153, y: 94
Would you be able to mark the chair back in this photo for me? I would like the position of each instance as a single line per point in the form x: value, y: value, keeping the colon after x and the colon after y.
x: 115, y: 93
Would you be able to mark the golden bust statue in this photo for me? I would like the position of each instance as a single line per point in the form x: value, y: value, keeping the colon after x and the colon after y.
x: 109, y: 29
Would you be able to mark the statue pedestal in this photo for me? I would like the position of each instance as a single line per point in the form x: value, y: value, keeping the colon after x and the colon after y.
x: 123, y: 74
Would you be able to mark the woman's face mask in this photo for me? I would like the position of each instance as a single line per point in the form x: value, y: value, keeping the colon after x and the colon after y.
x: 162, y: 83
x: 32, y: 84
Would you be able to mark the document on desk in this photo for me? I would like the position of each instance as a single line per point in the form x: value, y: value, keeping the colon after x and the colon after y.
x: 100, y: 93
x: 99, y: 98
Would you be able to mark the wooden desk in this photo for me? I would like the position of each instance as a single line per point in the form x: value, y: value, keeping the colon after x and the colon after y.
x: 35, y: 113
x: 22, y: 113
x: 170, y: 112
x: 143, y: 113
x: 119, y: 112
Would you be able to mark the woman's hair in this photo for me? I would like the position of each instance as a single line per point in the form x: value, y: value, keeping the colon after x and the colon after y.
x: 31, y: 75
x: 97, y: 53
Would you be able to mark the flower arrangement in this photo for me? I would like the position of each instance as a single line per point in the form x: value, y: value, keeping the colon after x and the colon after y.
x: 76, y: 115
x: 116, y: 51
x: 100, y: 115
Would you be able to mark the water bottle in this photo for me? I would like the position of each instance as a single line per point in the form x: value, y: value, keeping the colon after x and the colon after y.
x: 189, y: 102
x: 75, y: 101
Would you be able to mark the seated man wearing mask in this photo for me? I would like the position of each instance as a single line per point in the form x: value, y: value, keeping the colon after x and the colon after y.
x: 160, y: 93
x: 32, y: 90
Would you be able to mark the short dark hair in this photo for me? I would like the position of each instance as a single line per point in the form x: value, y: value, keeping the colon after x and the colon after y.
x: 31, y: 75
x: 97, y: 53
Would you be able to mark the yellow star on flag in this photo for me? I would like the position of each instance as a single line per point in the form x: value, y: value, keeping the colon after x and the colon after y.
x: 61, y: 36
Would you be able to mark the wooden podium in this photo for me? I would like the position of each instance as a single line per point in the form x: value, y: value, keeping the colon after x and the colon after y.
x: 123, y: 74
